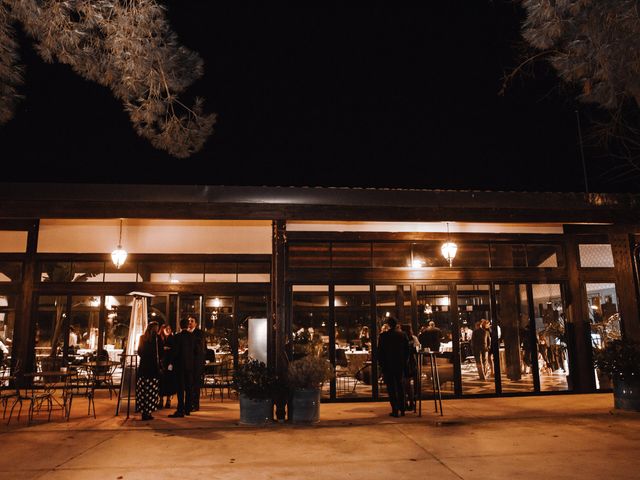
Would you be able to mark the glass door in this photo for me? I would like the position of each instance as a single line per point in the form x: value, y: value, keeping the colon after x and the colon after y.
x: 516, y: 339
x: 477, y: 339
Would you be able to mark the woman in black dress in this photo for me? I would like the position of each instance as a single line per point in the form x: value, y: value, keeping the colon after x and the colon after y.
x: 167, y: 377
x: 148, y: 378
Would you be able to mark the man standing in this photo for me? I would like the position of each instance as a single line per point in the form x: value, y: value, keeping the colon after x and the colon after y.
x: 430, y: 337
x: 199, y: 361
x: 481, y: 343
x: 183, y: 356
x: 393, y: 356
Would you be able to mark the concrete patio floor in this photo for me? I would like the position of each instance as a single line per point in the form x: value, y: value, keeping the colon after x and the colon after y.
x: 562, y: 436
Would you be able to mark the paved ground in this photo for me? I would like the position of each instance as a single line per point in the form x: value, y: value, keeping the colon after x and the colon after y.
x: 568, y: 436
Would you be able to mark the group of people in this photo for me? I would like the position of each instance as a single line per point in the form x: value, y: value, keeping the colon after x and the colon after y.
x: 170, y: 364
x: 397, y: 349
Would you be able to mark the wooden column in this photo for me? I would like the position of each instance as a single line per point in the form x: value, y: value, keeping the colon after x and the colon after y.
x: 23, y: 346
x: 578, y: 327
x: 278, y: 307
x: 622, y: 248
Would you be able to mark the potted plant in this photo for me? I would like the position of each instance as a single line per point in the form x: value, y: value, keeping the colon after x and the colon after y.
x: 305, y: 377
x: 620, y: 360
x: 256, y: 385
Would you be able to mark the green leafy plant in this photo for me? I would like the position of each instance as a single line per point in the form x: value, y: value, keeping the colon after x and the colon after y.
x: 255, y: 380
x: 619, y: 359
x: 309, y: 372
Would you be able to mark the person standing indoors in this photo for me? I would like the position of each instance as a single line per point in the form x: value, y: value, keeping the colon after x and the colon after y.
x: 430, y: 337
x: 167, y: 377
x: 480, y: 344
x: 199, y: 361
x: 148, y: 377
x: 183, y: 355
x: 393, y: 356
x: 411, y: 372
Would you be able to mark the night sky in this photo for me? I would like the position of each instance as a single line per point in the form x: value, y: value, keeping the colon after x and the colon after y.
x: 357, y: 97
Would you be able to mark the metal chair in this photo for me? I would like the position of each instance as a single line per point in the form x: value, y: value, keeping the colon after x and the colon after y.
x: 81, y: 384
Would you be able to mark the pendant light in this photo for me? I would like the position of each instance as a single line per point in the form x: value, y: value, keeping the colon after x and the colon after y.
x: 449, y: 249
x: 119, y: 255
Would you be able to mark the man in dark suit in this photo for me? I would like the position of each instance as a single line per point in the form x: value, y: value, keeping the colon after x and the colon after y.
x: 183, y: 355
x: 393, y: 356
x: 430, y: 337
x: 199, y: 361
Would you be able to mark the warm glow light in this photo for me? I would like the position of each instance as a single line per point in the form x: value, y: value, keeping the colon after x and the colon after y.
x: 449, y: 250
x: 216, y: 302
x: 417, y: 263
x: 119, y: 255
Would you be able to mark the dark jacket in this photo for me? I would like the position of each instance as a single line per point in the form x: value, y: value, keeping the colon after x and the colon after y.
x: 183, y: 351
x: 201, y: 349
x: 430, y: 338
x: 393, y: 352
x: 480, y: 340
x: 149, y: 358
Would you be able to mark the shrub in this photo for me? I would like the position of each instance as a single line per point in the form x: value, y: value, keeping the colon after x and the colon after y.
x: 619, y: 359
x: 309, y: 372
x: 255, y: 380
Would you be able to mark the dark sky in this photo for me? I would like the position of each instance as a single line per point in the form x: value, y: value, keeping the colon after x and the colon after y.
x: 361, y: 97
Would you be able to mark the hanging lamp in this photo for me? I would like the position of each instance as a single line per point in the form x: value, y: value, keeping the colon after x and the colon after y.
x: 449, y: 249
x: 119, y: 255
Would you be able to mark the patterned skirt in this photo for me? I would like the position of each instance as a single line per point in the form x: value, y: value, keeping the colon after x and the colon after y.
x: 147, y: 390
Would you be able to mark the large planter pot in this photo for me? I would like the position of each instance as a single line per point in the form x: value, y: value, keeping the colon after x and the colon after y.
x: 305, y: 406
x: 255, y: 412
x: 626, y: 394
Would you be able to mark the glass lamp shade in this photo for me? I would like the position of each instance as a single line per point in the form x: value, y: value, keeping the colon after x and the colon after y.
x: 119, y: 256
x: 449, y: 250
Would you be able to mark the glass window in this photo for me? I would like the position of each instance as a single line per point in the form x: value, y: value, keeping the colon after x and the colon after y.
x: 186, y: 272
x: 7, y: 324
x: 352, y: 310
x: 472, y: 255
x: 428, y: 254
x: 515, y: 338
x: 118, y: 311
x: 310, y: 323
x: 604, y: 320
x: 50, y: 327
x: 126, y: 273
x: 545, y: 256
x: 594, y: 256
x: 550, y: 322
x: 83, y: 327
x: 248, y: 307
x: 435, y: 332
x: 219, y: 326
x: 87, y: 272
x: 221, y: 272
x: 477, y: 357
x: 254, y: 272
x: 508, y: 255
x: 356, y: 255
x: 309, y: 255
x: 392, y: 254
x: 10, y: 272
x: 55, y: 272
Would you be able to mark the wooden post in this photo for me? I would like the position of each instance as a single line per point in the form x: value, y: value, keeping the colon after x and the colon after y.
x: 278, y: 308
x: 23, y: 334
x: 626, y: 288
x: 578, y: 327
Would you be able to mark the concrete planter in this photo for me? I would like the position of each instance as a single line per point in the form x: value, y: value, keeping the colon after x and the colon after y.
x: 255, y: 412
x: 305, y: 406
x: 626, y: 394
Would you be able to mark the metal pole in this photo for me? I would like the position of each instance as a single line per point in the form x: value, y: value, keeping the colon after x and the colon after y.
x: 584, y: 165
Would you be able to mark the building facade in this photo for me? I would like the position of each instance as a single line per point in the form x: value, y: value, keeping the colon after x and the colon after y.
x: 552, y: 276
